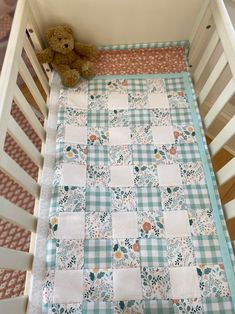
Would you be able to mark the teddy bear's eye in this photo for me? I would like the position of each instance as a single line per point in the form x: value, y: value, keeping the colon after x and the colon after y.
x: 59, y: 38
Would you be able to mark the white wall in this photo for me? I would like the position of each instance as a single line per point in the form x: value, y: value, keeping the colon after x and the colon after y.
x: 120, y: 21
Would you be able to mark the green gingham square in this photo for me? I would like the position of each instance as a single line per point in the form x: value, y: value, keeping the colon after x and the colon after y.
x: 140, y: 117
x: 158, y: 307
x: 181, y: 116
x: 196, y: 196
x: 188, y: 152
x: 97, y: 253
x: 174, y: 84
x: 50, y: 254
x: 98, y: 199
x: 98, y: 155
x: 137, y: 85
x: 207, y: 250
x: 220, y: 305
x: 97, y: 118
x: 143, y: 154
x: 97, y: 307
x: 148, y: 198
x: 97, y: 85
x: 152, y: 252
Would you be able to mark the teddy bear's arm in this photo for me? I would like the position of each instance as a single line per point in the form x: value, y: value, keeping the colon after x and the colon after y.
x: 85, y: 50
x: 46, y: 55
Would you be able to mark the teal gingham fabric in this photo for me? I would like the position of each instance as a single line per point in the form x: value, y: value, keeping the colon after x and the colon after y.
x: 97, y: 118
x: 188, y: 152
x: 98, y: 155
x: 51, y: 254
x: 97, y: 307
x: 153, y: 252
x: 140, y: 117
x: 98, y: 199
x: 181, y: 116
x: 148, y: 198
x: 97, y: 253
x: 143, y: 154
x: 158, y: 307
x: 218, y: 305
x: 197, y: 196
x: 174, y: 84
x: 137, y: 86
x: 207, y: 250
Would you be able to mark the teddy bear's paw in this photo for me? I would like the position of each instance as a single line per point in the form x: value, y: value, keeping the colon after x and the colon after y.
x: 88, y: 70
x: 70, y: 78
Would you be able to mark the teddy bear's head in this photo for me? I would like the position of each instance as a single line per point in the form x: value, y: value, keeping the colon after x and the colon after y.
x: 60, y: 38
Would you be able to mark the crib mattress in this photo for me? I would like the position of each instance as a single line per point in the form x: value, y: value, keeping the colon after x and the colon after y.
x: 135, y: 223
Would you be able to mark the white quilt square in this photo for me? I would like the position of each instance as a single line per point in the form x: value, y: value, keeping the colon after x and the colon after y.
x: 73, y: 175
x: 78, y: 100
x: 176, y: 223
x: 119, y: 136
x: 121, y: 176
x: 163, y: 134
x: 125, y: 225
x: 68, y: 287
x: 75, y: 134
x: 127, y: 284
x: 157, y: 100
x: 71, y: 225
x: 169, y: 175
x: 117, y: 101
x: 184, y: 282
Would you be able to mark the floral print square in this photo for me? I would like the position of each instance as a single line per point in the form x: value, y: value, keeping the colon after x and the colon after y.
x: 71, y: 199
x: 166, y: 154
x: 145, y: 175
x: 177, y: 99
x: 180, y: 252
x: 117, y: 85
x: 65, y: 308
x: 192, y: 173
x: 160, y: 117
x: 137, y: 100
x: 150, y: 224
x: 188, y: 306
x: 201, y: 222
x: 173, y: 198
x: 123, y: 199
x: 155, y: 282
x: 141, y: 135
x: 73, y: 116
x: 48, y: 287
x: 69, y: 254
x: 97, y: 284
x: 73, y: 153
x: 128, y: 307
x: 98, y: 101
x: 185, y: 134
x: 53, y: 226
x: 98, y: 225
x: 98, y: 175
x: 120, y: 155
x: 126, y: 253
x: 118, y: 118
x: 97, y: 136
x: 60, y: 133
x: 212, y: 281
x: 156, y: 86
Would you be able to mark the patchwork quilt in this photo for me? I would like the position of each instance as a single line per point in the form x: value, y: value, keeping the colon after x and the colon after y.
x: 133, y: 227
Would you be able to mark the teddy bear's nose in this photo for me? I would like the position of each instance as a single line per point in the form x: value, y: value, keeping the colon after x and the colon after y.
x: 66, y: 45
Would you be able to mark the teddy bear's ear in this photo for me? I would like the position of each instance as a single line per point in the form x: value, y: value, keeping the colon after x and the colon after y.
x: 68, y: 29
x: 50, y: 33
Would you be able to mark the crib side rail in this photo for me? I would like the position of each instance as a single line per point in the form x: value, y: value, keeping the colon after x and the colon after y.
x: 213, y: 68
x: 23, y: 41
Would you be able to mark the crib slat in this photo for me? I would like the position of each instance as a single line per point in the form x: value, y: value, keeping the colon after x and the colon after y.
x: 206, y: 56
x: 227, y: 172
x: 24, y: 72
x: 17, y: 215
x: 24, y: 142
x: 223, y: 137
x: 29, y: 114
x: 36, y: 65
x: 15, y: 172
x: 15, y: 259
x: 16, y: 305
x: 229, y: 209
x: 219, y: 104
x: 215, y: 74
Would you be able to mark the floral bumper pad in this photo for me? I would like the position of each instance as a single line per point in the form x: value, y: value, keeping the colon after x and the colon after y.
x: 131, y: 227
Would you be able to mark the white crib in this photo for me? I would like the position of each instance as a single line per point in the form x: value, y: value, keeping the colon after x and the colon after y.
x: 212, y: 62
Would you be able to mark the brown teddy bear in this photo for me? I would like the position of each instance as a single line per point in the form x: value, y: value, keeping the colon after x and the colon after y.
x: 68, y: 57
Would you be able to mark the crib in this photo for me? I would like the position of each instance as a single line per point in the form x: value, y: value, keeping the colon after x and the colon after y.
x: 211, y: 63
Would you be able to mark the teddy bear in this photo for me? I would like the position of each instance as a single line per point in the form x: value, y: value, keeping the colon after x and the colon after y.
x: 70, y: 58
